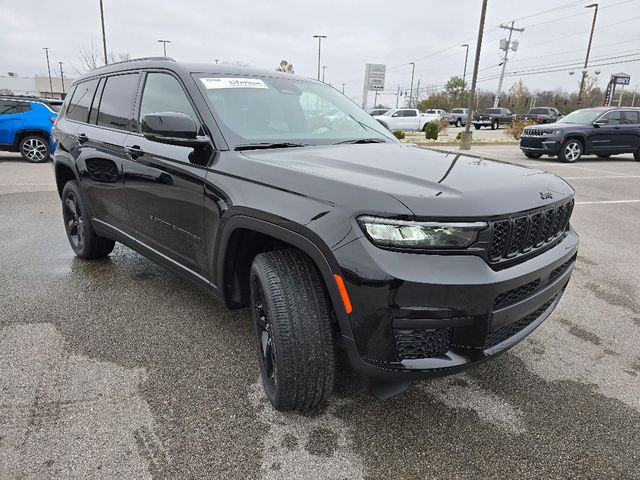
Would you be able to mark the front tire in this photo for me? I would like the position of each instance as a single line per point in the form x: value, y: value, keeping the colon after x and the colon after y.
x: 295, y: 339
x: 84, y: 240
x: 570, y: 151
x: 458, y: 123
x: 494, y: 125
x: 636, y: 155
x: 35, y: 149
x: 532, y: 155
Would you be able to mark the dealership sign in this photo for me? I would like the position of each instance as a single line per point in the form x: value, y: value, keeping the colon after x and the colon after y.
x: 374, y: 76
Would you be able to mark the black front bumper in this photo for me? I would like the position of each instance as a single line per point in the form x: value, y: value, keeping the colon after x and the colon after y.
x: 546, y: 145
x: 417, y: 316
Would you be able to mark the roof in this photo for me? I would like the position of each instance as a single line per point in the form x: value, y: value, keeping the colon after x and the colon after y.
x: 186, y: 68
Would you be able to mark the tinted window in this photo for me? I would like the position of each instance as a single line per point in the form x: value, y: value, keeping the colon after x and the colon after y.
x: 539, y: 111
x: 409, y: 113
x: 163, y: 93
x: 78, y: 108
x: 8, y: 107
x: 116, y: 104
x: 629, y: 117
x: 492, y: 110
x: 457, y: 110
x: 613, y: 117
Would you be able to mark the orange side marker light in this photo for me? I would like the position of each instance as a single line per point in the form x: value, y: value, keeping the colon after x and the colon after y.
x: 343, y: 293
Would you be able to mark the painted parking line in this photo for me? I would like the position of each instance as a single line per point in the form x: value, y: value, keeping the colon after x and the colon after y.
x: 607, y: 201
x: 601, y: 176
x: 573, y: 166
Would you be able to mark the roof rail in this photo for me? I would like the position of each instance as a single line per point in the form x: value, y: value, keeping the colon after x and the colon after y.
x: 168, y: 59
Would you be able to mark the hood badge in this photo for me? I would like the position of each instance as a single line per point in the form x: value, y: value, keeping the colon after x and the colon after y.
x: 546, y: 195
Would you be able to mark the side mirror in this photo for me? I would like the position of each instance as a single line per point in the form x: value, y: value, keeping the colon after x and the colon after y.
x: 602, y: 121
x: 172, y: 128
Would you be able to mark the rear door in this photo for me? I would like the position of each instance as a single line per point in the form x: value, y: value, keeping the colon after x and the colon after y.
x: 630, y: 125
x: 11, y: 121
x: 165, y: 183
x: 100, y: 152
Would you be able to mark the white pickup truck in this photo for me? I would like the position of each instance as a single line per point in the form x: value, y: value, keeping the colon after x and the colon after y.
x: 408, y: 118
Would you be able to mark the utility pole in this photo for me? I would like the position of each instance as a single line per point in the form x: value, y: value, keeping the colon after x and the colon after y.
x: 343, y: 88
x: 467, y: 135
x: 46, y: 49
x: 104, y: 38
x: 164, y: 46
x: 62, y: 78
x: 413, y: 69
x: 586, y: 60
x: 508, y: 45
x: 324, y: 67
x: 417, y: 93
x: 464, y: 74
x: 397, y: 95
x: 319, y: 37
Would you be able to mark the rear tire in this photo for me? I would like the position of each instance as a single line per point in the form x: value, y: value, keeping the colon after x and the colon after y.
x: 571, y: 151
x: 494, y: 125
x: 477, y: 127
x: 532, y: 155
x: 84, y: 240
x: 636, y: 155
x: 35, y: 149
x: 458, y: 123
x: 294, y: 335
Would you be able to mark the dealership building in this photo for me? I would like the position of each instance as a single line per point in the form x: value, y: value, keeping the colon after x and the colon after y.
x: 13, y: 84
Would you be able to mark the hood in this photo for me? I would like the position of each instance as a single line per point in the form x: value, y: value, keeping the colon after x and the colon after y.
x: 550, y: 127
x: 429, y: 183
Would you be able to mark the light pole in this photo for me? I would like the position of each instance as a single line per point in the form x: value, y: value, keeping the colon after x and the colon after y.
x: 319, y: 37
x: 46, y: 49
x: 413, y: 70
x: 324, y: 67
x: 464, y: 73
x: 586, y: 60
x: 104, y: 37
x: 467, y: 136
x: 62, y: 78
x: 164, y: 46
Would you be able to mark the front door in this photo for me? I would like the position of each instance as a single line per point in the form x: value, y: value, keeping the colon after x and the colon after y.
x: 164, y: 184
x: 608, y: 135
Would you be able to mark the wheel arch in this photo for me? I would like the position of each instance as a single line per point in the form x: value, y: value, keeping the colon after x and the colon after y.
x: 243, y: 236
x: 64, y: 173
x: 20, y: 134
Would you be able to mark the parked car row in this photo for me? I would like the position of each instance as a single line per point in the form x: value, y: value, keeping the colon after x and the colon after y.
x: 25, y: 126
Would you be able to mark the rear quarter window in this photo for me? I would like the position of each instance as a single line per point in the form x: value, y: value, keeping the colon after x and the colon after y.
x: 80, y: 102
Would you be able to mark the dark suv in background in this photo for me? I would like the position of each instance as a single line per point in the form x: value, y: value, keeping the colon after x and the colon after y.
x: 603, y: 131
x: 278, y: 193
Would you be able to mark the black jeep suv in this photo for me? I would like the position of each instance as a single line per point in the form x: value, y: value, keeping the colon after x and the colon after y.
x: 278, y: 193
x: 603, y: 131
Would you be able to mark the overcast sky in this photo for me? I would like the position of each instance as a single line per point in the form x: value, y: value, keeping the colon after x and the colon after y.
x: 261, y: 33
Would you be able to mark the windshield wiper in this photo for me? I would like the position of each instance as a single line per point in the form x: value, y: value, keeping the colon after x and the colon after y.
x: 265, y: 145
x: 363, y: 140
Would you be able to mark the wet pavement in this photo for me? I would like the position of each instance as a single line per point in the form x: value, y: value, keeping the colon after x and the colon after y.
x: 117, y: 369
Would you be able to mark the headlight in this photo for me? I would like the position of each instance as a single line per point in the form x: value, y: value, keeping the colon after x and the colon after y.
x: 555, y: 132
x: 398, y: 233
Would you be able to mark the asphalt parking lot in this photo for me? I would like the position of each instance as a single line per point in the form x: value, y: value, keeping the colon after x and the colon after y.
x: 117, y: 369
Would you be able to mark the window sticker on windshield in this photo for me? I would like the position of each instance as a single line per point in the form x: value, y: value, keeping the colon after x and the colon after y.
x: 214, y: 83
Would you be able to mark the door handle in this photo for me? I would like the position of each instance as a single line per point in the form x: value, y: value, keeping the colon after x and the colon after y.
x: 134, y: 151
x: 82, y: 138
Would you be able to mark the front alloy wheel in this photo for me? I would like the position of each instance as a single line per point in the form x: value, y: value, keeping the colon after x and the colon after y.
x: 34, y: 149
x: 73, y: 220
x: 571, y: 151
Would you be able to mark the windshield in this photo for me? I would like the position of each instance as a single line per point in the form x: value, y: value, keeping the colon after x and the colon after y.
x: 264, y: 110
x: 584, y: 117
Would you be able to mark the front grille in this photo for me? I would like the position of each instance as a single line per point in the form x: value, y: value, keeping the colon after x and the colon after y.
x: 501, y: 334
x: 525, y: 233
x: 516, y: 294
x: 533, y: 132
x: 422, y: 343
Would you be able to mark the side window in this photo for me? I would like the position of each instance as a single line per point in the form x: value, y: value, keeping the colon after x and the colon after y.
x: 9, y: 107
x: 78, y: 108
x: 25, y: 107
x: 163, y: 93
x: 410, y: 113
x: 612, y: 118
x: 116, y: 104
x: 629, y: 117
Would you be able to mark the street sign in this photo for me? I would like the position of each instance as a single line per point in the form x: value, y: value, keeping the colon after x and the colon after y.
x: 374, y: 76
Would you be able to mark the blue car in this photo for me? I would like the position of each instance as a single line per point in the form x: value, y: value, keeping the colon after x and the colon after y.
x: 25, y: 126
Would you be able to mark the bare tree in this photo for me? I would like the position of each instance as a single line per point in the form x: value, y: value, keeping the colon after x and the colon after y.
x: 90, y: 57
x: 118, y: 57
x: 285, y: 67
